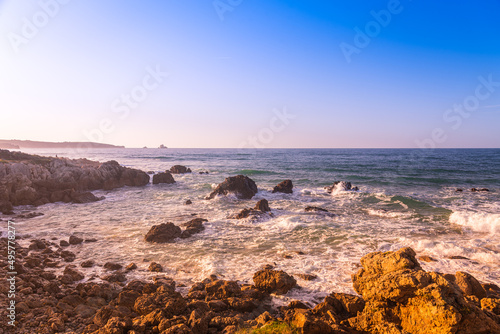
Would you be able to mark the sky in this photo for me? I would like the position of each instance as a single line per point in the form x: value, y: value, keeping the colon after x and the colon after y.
x: 256, y: 74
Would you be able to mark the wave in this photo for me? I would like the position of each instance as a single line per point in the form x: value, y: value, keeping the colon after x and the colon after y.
x: 477, y: 221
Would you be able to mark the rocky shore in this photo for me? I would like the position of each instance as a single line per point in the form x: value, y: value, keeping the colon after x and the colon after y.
x: 34, y: 180
x: 395, y: 296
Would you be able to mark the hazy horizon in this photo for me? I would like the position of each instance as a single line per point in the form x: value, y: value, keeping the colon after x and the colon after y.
x: 246, y: 74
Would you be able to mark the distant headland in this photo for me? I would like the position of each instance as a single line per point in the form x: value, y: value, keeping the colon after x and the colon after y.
x: 19, y: 144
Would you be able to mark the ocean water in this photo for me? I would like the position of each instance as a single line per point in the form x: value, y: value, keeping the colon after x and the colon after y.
x: 405, y: 198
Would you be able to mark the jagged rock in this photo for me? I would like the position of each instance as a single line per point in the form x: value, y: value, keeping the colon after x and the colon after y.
x: 242, y: 186
x: 262, y: 205
x: 401, y: 297
x: 163, y: 178
x: 163, y: 233
x: 131, y: 266
x: 340, y: 185
x: 284, y: 187
x: 193, y: 226
x: 34, y: 180
x: 469, y: 285
x: 188, y: 202
x: 112, y: 266
x: 178, y: 169
x: 87, y: 264
x: 155, y: 267
x: 273, y: 281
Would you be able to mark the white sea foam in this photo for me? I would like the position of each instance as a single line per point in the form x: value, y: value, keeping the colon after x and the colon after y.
x: 477, y: 221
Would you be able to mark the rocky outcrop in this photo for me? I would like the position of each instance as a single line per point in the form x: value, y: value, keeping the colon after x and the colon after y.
x: 178, y: 169
x: 340, y: 185
x: 242, y: 186
x: 163, y: 178
x: 34, y: 180
x: 163, y: 233
x: 261, y: 207
x: 193, y: 226
x: 273, y: 281
x: 284, y: 187
x: 402, y: 298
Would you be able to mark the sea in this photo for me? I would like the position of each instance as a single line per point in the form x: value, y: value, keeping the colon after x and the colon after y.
x: 406, y: 198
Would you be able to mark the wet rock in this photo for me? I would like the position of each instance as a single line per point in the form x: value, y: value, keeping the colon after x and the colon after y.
x: 188, y: 202
x: 459, y: 190
x: 427, y: 258
x: 307, y: 277
x: 131, y: 266
x: 116, y: 276
x: 242, y: 186
x: 178, y: 169
x: 315, y: 209
x: 74, y: 240
x: 84, y: 197
x: 342, y: 185
x: 63, y: 243
x: 163, y: 233
x: 71, y: 275
x: 90, y: 240
x: 163, y: 178
x: 112, y: 266
x: 262, y: 205
x: 193, y: 226
x: 284, y: 187
x: 29, y: 215
x: 155, y: 267
x: 87, y: 264
x: 273, y: 281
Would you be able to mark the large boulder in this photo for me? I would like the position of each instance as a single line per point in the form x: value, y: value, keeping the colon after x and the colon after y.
x: 284, y: 187
x: 403, y: 298
x: 242, y: 186
x: 163, y: 178
x: 178, y: 169
x: 163, y: 233
x: 273, y: 281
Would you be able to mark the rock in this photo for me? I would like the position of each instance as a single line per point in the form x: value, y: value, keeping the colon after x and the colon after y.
x: 163, y: 233
x: 220, y: 289
x: 34, y: 180
x: 242, y: 186
x: 342, y: 185
x: 307, y: 323
x: 63, y: 243
x: 491, y: 304
x: 263, y: 206
x: 469, y: 285
x: 155, y: 267
x: 131, y: 266
x: 273, y: 281
x: 193, y: 226
x: 116, y: 276
x: 426, y: 258
x: 71, y: 275
x: 30, y: 215
x: 402, y: 298
x: 112, y: 266
x: 178, y: 169
x: 163, y: 178
x: 87, y: 264
x: 459, y: 190
x: 284, y: 187
x: 315, y: 209
x: 307, y: 277
x: 90, y: 240
x: 6, y: 208
x: 74, y: 240
x: 188, y: 202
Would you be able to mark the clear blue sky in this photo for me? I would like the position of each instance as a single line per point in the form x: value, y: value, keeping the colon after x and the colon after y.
x: 80, y: 70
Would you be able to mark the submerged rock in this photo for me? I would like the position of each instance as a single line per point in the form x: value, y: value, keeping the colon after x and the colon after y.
x: 284, y: 187
x: 261, y: 207
x: 163, y: 233
x: 315, y: 209
x: 193, y: 226
x: 178, y: 169
x: 163, y: 178
x: 342, y: 185
x: 242, y: 186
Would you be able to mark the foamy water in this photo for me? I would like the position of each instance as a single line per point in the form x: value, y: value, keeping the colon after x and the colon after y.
x: 402, y: 200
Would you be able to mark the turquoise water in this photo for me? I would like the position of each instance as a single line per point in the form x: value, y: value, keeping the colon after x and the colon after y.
x: 405, y: 198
